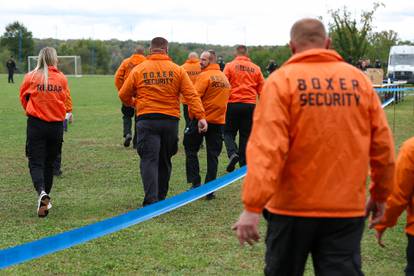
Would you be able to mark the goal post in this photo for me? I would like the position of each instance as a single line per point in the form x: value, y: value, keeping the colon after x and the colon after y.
x: 69, y: 65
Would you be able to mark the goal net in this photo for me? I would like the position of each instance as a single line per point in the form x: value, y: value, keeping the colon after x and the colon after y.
x: 69, y: 65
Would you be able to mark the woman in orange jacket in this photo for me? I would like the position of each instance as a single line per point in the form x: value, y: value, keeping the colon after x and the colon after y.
x: 402, y: 197
x: 45, y: 96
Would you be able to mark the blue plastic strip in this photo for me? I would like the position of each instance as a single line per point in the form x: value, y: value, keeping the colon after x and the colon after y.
x: 51, y: 244
x: 388, y: 102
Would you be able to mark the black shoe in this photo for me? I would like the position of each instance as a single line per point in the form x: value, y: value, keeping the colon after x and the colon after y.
x: 232, y: 163
x: 128, y: 139
x: 210, y: 196
x: 57, y: 172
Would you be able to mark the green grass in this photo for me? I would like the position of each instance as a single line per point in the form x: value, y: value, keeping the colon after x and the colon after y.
x: 101, y: 179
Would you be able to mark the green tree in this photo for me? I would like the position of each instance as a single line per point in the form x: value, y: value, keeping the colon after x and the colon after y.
x: 350, y: 36
x: 380, y: 44
x: 19, y: 41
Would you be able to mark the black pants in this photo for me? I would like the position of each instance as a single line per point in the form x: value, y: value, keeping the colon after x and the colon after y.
x: 186, y: 116
x: 214, y: 145
x: 10, y: 78
x: 409, y: 270
x: 127, y: 114
x: 157, y: 143
x: 44, y: 142
x: 239, y: 118
x: 333, y: 242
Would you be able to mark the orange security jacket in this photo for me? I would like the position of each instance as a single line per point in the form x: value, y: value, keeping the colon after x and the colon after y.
x: 214, y: 90
x: 49, y: 103
x: 192, y: 67
x: 125, y: 69
x: 317, y: 127
x: 402, y: 196
x: 155, y: 85
x: 245, y: 78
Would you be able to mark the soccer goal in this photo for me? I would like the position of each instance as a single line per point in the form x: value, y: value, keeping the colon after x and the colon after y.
x: 69, y: 65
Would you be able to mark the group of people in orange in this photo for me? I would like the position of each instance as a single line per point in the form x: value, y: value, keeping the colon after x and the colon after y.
x: 308, y: 157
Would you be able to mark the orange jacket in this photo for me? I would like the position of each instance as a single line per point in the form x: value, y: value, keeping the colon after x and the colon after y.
x: 245, y: 78
x: 155, y: 85
x: 125, y: 69
x: 317, y: 127
x: 214, y: 90
x: 192, y: 67
x: 49, y: 103
x: 402, y: 196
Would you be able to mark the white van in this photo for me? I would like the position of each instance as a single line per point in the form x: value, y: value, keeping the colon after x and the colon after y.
x: 401, y: 63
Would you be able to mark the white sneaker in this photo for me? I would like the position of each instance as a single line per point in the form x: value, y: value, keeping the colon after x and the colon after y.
x: 42, y: 204
x: 49, y: 206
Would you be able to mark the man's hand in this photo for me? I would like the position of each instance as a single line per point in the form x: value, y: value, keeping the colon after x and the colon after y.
x: 246, y: 228
x: 379, y: 235
x: 374, y: 211
x: 202, y: 126
x: 69, y: 117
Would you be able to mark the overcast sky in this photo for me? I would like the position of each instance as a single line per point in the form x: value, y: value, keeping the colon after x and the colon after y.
x: 226, y: 22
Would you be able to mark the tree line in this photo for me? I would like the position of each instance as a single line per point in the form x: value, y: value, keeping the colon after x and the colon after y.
x: 352, y: 37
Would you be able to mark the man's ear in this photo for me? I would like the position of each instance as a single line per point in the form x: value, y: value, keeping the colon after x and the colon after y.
x: 292, y: 47
x: 328, y: 43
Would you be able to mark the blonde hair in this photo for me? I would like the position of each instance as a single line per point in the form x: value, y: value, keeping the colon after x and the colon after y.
x: 47, y: 57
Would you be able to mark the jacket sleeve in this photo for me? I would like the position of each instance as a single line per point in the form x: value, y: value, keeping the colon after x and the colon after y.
x: 120, y: 76
x: 227, y: 71
x: 268, y: 145
x: 201, y: 86
x: 128, y: 92
x: 381, y: 151
x: 24, y: 92
x: 260, y: 82
x: 403, y: 188
x: 191, y: 97
x: 68, y: 101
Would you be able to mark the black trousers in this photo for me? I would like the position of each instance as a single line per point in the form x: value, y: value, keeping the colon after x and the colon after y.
x: 10, y: 78
x: 127, y: 114
x: 409, y: 270
x: 186, y: 116
x: 214, y: 145
x: 44, y: 142
x: 157, y: 143
x: 333, y: 242
x: 239, y: 118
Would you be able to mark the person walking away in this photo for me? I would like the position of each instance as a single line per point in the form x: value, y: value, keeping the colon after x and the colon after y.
x: 11, y: 68
x: 402, y: 197
x: 214, y: 90
x: 154, y: 87
x: 318, y: 126
x: 128, y: 112
x: 192, y: 67
x: 246, y: 82
x: 45, y: 96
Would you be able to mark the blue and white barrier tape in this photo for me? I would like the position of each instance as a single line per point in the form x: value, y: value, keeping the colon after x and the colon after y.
x: 35, y: 249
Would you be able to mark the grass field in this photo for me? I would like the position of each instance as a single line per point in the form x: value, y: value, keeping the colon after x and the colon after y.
x: 101, y: 179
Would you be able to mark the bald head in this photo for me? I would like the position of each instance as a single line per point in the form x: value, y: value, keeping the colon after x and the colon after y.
x: 241, y: 50
x: 159, y: 45
x: 139, y: 50
x: 192, y: 55
x: 308, y: 34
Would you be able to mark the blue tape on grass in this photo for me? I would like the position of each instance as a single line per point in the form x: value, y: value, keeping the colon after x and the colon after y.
x: 48, y: 245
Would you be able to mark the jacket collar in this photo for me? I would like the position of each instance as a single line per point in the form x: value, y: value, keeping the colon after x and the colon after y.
x: 246, y: 58
x: 192, y: 60
x: 212, y: 67
x: 315, y: 55
x: 159, y: 57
